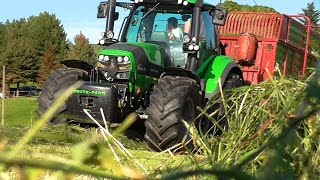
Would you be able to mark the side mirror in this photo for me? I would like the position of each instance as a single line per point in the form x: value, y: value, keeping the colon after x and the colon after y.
x: 219, y: 16
x: 102, y: 10
x: 185, y: 18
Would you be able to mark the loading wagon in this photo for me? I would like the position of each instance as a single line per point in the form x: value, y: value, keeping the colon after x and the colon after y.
x: 277, y: 40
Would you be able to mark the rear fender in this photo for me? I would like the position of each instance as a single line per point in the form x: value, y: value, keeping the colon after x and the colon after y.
x: 215, y: 69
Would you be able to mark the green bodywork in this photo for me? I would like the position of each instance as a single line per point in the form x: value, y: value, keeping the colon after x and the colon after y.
x: 192, y: 1
x: 154, y: 52
x: 212, y: 70
x: 195, y: 1
x: 155, y: 56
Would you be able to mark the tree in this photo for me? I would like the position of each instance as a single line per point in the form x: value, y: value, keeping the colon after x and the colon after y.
x: 17, y: 55
x: 43, y: 31
x: 8, y: 32
x: 82, y: 50
x: 2, y: 34
x: 312, y: 13
x: 19, y: 62
x: 49, y: 62
x: 24, y: 44
x: 2, y: 44
x: 231, y: 6
x: 235, y: 7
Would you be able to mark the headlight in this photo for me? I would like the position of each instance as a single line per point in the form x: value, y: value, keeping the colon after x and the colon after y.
x: 102, y: 41
x: 106, y: 58
x: 110, y: 34
x: 103, y: 58
x: 190, y: 47
x: 122, y: 75
x: 120, y: 59
x: 126, y: 59
x: 123, y: 60
x: 186, y: 39
x: 196, y: 47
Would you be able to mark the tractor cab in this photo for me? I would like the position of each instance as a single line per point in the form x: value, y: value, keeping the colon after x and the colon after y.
x: 164, y: 26
x: 167, y: 24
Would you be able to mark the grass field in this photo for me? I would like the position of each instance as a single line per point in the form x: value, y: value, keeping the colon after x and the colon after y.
x: 20, y: 111
x: 58, y: 140
x: 274, y: 133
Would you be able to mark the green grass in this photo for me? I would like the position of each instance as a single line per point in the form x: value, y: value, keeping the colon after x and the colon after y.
x: 20, y: 111
x: 59, y: 140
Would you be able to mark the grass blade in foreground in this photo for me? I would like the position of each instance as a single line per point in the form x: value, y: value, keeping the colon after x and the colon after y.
x: 41, y: 122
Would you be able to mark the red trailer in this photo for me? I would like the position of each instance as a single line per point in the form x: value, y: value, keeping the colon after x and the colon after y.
x: 270, y: 40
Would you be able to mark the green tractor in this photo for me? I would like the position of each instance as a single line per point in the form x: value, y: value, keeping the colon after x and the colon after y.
x: 166, y: 62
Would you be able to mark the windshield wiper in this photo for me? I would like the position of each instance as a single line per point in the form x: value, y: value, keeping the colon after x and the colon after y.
x: 152, y: 9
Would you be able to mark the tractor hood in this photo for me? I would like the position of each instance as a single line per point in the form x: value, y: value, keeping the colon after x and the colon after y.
x: 141, y: 64
x: 139, y: 53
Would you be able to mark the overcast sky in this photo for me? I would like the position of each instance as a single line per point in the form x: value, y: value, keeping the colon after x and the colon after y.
x: 80, y: 15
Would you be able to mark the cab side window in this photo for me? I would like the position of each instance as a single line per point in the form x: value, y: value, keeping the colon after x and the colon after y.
x: 132, y: 34
x: 209, y: 30
x: 207, y: 36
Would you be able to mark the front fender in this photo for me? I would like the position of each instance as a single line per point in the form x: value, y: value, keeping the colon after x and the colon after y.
x: 216, y: 68
x: 72, y: 63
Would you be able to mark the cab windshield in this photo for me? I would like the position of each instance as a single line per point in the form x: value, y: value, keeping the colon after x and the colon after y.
x: 161, y: 25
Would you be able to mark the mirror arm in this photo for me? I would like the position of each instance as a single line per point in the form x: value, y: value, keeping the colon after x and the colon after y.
x: 111, y: 15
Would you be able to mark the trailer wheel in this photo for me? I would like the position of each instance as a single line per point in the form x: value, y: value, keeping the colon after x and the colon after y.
x: 57, y: 82
x: 174, y: 100
x: 232, y: 81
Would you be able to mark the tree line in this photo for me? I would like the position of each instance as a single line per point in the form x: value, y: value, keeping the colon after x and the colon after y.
x: 233, y: 6
x: 31, y: 48
x: 310, y: 11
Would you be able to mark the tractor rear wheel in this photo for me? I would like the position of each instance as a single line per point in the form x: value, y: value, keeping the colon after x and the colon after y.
x: 232, y: 81
x: 54, y: 86
x: 173, y: 101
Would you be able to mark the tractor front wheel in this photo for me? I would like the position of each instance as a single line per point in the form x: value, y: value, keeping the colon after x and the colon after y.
x: 54, y: 86
x: 173, y: 101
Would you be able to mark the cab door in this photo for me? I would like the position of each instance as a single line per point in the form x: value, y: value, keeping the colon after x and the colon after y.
x: 208, y: 38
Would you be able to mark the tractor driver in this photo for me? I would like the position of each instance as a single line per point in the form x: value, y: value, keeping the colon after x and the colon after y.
x: 175, y: 33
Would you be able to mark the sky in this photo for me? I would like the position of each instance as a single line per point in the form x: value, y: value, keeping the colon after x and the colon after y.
x: 80, y: 15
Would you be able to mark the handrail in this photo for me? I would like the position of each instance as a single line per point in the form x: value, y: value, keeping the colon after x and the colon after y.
x: 306, y: 50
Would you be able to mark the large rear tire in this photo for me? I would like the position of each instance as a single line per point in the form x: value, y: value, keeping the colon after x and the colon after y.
x: 54, y: 86
x: 174, y: 100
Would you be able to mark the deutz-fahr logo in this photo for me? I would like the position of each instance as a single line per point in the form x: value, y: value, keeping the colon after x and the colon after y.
x: 88, y: 92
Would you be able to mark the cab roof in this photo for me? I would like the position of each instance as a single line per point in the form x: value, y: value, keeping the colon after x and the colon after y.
x: 173, y: 2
